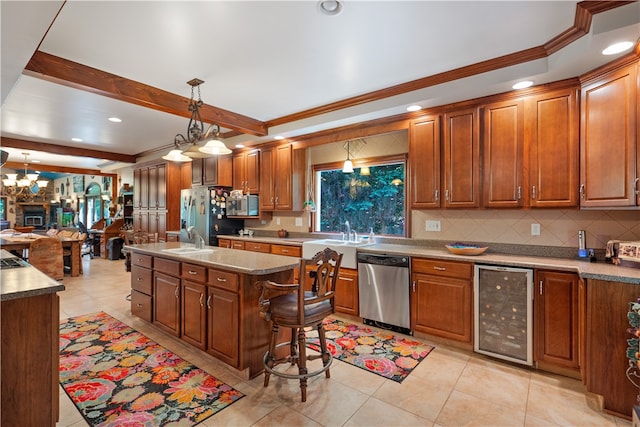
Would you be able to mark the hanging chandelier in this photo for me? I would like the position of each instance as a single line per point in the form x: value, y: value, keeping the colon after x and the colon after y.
x: 196, y: 134
x: 27, y: 187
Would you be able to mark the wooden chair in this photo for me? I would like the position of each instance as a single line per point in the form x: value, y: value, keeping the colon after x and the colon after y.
x: 45, y: 254
x: 298, y: 306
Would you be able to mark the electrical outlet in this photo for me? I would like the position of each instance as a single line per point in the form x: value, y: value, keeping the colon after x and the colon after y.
x: 535, y: 229
x: 298, y: 222
x: 433, y: 225
x: 277, y: 221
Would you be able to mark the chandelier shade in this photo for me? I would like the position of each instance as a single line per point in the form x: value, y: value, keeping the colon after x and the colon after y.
x: 196, y: 134
x: 25, y: 188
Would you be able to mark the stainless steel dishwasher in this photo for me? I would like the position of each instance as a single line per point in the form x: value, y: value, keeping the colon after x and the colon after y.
x: 383, y: 286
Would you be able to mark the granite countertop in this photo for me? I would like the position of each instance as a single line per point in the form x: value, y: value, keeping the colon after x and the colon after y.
x: 587, y: 270
x: 25, y: 282
x: 254, y: 263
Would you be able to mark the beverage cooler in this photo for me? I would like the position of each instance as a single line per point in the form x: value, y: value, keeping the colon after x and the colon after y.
x: 503, y: 303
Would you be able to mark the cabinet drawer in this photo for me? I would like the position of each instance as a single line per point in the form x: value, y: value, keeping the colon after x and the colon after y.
x: 224, y: 243
x: 223, y: 279
x: 145, y: 261
x: 257, y: 247
x: 168, y: 266
x: 462, y: 270
x: 197, y: 273
x: 287, y: 250
x: 141, y: 305
x: 141, y: 279
x: 237, y: 245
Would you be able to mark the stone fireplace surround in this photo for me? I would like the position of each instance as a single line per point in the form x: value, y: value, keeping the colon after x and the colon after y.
x: 32, y: 213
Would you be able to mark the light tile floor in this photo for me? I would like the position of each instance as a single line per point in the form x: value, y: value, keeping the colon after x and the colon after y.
x: 449, y: 388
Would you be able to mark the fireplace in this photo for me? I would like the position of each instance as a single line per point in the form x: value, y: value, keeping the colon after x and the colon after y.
x: 32, y: 214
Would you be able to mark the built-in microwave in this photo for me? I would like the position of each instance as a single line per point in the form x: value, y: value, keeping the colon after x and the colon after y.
x: 242, y: 206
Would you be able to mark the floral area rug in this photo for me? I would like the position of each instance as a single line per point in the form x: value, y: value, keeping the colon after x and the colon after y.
x: 118, y: 377
x: 376, y: 351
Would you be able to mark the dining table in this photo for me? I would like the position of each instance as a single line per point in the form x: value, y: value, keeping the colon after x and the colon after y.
x: 16, y: 242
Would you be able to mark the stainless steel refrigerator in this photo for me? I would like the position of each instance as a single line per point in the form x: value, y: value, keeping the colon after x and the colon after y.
x: 195, y: 205
x: 219, y: 224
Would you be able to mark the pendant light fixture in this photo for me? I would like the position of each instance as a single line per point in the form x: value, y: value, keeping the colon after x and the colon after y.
x: 348, y: 164
x: 196, y: 134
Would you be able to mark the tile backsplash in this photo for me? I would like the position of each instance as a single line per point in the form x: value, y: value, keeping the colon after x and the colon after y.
x: 557, y: 227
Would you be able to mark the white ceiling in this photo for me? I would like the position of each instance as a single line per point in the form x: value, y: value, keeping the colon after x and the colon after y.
x: 269, y: 59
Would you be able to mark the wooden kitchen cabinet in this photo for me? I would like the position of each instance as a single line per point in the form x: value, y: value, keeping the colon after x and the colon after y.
x: 556, y: 329
x: 551, y: 133
x: 503, y: 152
x: 609, y: 155
x: 461, y: 159
x: 142, y: 286
x: 424, y: 162
x: 441, y: 298
x: 214, y: 170
x: 282, y: 178
x: 193, y: 324
x: 346, y: 298
x: 257, y: 247
x: 224, y: 243
x: 246, y: 171
x: 223, y: 306
x: 166, y: 295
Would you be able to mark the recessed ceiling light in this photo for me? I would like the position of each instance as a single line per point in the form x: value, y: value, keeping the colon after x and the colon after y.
x: 35, y: 161
x: 239, y: 145
x: 115, y: 119
x: 330, y: 7
x: 414, y: 108
x: 523, y: 84
x: 617, y: 48
x: 76, y: 139
x: 278, y: 137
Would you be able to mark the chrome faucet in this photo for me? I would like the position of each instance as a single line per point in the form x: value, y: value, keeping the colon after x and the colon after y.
x: 346, y: 224
x: 355, y: 236
x: 192, y: 233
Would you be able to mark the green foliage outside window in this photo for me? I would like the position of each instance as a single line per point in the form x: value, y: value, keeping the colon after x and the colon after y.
x: 376, y: 200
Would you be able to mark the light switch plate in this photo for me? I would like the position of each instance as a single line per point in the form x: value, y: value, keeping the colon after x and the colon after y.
x: 433, y: 225
x: 298, y: 222
x: 535, y: 229
x: 277, y: 221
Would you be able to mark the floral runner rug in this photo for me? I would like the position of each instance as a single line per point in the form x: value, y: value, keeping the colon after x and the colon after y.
x: 118, y: 377
x: 374, y: 350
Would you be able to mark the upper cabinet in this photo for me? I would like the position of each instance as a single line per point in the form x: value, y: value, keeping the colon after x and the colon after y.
x: 551, y: 133
x: 282, y: 175
x: 424, y: 162
x: 503, y: 152
x: 214, y: 170
x: 246, y: 171
x: 461, y: 159
x: 609, y: 154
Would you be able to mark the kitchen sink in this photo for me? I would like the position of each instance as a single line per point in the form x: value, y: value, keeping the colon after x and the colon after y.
x: 188, y: 251
x: 347, y: 249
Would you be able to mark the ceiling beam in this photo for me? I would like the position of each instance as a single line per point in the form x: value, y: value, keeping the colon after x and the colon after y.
x: 51, y: 168
x: 72, y: 74
x: 65, y: 151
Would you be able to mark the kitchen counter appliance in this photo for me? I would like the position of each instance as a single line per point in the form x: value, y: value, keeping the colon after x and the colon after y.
x: 503, y: 302
x: 383, y: 286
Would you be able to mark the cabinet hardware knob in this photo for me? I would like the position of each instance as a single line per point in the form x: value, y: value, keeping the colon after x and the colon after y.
x: 519, y: 192
x: 533, y: 192
x: 439, y: 268
x: 635, y: 185
x: 139, y: 279
x: 201, y: 298
x: 176, y: 293
x: 347, y: 279
x: 286, y: 251
x: 220, y: 279
x: 193, y: 272
x: 209, y: 302
x: 139, y: 305
x: 413, y: 286
x: 437, y: 196
x: 581, y: 191
x: 446, y: 195
x: 540, y: 287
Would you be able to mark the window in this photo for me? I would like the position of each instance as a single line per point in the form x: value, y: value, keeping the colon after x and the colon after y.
x: 374, y: 199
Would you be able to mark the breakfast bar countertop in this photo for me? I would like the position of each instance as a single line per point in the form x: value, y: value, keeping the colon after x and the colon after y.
x: 24, y: 282
x: 228, y: 259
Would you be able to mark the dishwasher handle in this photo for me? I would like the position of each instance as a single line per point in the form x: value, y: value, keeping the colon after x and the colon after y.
x: 388, y: 260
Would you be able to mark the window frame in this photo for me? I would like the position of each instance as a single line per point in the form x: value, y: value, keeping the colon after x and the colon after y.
x: 359, y: 163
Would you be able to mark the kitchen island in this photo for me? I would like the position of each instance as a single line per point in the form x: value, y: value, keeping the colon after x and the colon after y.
x: 30, y: 316
x: 207, y: 297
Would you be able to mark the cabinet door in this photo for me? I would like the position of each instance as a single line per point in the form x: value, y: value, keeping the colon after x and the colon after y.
x: 185, y: 175
x: 210, y: 170
x: 194, y: 313
x: 225, y: 171
x: 608, y: 147
x: 158, y: 223
x: 252, y: 171
x: 346, y: 298
x: 461, y: 159
x: 267, y: 197
x: 283, y: 178
x: 556, y: 319
x: 144, y: 188
x: 196, y: 171
x: 224, y: 243
x: 166, y: 303
x: 161, y: 186
x: 152, y: 175
x: 551, y: 132
x: 424, y: 162
x: 137, y: 188
x: 503, y: 182
x: 441, y: 306
x: 223, y: 325
x: 240, y: 172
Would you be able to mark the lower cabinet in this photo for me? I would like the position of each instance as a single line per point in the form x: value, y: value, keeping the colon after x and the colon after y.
x: 441, y: 298
x: 346, y: 299
x: 222, y: 322
x: 166, y: 303
x: 556, y: 316
x: 142, y: 286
